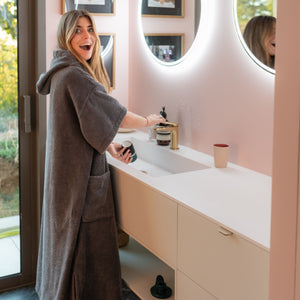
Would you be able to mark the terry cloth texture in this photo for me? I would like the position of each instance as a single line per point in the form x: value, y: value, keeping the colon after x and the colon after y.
x: 78, y: 252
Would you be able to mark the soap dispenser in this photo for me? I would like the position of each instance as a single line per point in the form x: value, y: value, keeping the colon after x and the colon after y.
x: 163, y: 138
x: 163, y: 113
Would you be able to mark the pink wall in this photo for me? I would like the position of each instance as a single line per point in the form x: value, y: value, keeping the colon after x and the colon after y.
x: 218, y: 94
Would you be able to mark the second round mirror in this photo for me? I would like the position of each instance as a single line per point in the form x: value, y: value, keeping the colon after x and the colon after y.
x: 169, y: 27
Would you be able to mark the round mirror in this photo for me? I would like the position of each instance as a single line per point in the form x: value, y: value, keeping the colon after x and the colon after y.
x: 256, y: 22
x: 169, y: 27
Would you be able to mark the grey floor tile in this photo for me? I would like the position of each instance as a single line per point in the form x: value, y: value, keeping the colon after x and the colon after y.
x: 29, y: 293
x: 20, y: 294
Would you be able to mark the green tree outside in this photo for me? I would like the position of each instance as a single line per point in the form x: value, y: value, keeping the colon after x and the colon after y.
x: 8, y: 17
x: 9, y: 144
x: 8, y: 74
x: 8, y: 55
x: 247, y: 9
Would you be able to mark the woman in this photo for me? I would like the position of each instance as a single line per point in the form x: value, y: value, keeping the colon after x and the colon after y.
x: 78, y: 254
x: 259, y: 35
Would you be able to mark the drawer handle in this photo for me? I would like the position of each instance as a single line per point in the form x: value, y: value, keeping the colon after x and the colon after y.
x: 225, y: 231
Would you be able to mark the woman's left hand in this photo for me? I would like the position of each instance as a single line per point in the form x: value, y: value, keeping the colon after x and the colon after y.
x: 117, y: 151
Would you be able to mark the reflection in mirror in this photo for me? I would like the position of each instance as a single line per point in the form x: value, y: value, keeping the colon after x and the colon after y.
x: 257, y: 26
x: 170, y: 27
x: 166, y: 47
x: 108, y: 55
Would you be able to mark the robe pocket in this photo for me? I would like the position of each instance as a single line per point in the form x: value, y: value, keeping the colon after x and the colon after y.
x: 99, y: 202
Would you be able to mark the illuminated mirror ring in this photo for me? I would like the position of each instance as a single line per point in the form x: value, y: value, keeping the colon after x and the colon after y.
x: 256, y: 25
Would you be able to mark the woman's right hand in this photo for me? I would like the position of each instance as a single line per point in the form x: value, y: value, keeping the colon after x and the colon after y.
x: 132, y: 120
x: 154, y: 119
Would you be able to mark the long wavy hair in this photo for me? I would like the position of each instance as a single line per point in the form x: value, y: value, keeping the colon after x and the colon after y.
x: 256, y: 35
x: 65, y: 33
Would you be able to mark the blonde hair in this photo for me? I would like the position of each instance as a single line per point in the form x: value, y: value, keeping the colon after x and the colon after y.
x: 256, y: 34
x: 65, y: 33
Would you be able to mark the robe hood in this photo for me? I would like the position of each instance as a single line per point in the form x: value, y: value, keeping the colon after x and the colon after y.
x: 61, y: 59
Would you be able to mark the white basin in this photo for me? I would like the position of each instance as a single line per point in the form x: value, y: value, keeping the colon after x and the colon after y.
x: 157, y: 161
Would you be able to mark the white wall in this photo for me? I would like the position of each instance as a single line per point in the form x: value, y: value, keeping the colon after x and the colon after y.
x: 217, y: 94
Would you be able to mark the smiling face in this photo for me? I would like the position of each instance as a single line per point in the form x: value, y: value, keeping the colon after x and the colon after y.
x: 83, y: 41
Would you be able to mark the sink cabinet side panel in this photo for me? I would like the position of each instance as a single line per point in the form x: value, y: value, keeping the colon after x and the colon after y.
x: 146, y: 215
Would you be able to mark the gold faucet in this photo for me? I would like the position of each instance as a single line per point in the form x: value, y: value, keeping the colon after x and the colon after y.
x: 173, y: 127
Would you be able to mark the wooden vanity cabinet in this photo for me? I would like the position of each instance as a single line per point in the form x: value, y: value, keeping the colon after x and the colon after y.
x: 147, y: 216
x: 224, y: 264
x: 200, y: 259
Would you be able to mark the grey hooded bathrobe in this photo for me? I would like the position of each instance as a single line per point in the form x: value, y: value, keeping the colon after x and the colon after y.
x: 78, y: 253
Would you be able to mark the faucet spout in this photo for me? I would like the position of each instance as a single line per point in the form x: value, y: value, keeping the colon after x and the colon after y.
x: 173, y: 127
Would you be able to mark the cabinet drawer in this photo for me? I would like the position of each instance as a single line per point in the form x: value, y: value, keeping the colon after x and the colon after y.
x: 147, y: 216
x: 229, y: 267
x: 188, y: 289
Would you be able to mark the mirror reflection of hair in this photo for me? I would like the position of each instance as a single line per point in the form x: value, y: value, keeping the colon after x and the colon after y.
x: 259, y: 35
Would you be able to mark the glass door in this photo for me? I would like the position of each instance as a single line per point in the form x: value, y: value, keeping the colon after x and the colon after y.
x: 20, y: 150
x: 10, y: 246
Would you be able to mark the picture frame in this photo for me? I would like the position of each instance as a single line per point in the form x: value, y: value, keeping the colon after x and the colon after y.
x: 166, y: 47
x: 107, y: 41
x: 94, y: 7
x: 163, y: 8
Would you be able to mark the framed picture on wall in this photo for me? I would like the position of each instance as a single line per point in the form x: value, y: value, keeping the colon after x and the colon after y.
x: 95, y: 7
x: 166, y: 47
x: 160, y: 8
x: 107, y: 41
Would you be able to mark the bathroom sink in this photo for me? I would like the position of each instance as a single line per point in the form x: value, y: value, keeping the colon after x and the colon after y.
x: 158, y: 161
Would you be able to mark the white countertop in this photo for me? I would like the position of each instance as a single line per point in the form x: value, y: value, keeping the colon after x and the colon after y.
x: 234, y: 197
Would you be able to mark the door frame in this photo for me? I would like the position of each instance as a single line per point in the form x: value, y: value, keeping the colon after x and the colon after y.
x: 31, y: 61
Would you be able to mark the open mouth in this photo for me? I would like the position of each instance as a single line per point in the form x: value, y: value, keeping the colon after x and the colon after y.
x: 86, y: 47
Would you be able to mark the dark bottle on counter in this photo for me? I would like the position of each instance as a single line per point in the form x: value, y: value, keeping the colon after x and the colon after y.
x: 163, y: 113
x: 163, y: 138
